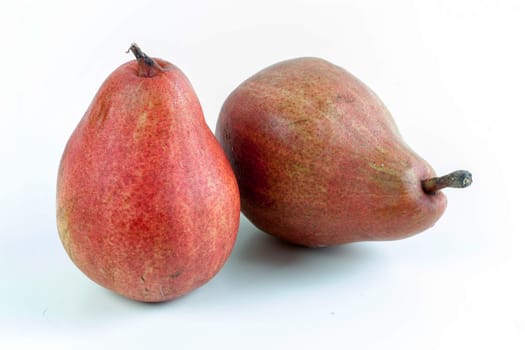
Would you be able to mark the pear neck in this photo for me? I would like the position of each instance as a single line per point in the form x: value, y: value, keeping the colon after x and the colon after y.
x: 147, y: 66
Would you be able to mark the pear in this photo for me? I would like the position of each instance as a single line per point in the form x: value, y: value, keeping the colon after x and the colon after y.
x: 147, y: 203
x: 319, y: 160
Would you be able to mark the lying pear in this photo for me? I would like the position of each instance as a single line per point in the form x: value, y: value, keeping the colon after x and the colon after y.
x: 147, y: 203
x: 319, y: 160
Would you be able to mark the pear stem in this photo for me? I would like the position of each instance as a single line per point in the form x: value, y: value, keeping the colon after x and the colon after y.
x: 456, y: 179
x: 148, y: 67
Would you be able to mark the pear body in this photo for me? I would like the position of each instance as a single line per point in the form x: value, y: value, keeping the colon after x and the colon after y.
x: 147, y: 203
x: 319, y: 160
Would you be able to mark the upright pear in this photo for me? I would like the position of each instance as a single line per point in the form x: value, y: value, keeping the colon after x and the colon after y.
x: 147, y: 203
x: 320, y: 161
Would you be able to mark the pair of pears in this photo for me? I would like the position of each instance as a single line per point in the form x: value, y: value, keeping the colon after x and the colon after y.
x: 148, y: 202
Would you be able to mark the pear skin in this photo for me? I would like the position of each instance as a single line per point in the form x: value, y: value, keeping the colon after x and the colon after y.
x: 319, y: 160
x: 147, y: 203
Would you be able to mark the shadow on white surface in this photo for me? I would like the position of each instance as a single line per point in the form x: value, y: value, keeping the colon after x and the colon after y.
x: 261, y: 263
x: 42, y: 285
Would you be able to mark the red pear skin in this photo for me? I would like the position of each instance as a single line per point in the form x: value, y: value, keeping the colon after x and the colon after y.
x: 147, y: 203
x: 319, y: 160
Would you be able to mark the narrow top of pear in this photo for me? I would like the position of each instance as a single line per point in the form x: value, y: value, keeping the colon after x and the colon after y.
x: 148, y: 67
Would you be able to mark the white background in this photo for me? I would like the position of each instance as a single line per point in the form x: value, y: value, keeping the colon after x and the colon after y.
x: 451, y: 72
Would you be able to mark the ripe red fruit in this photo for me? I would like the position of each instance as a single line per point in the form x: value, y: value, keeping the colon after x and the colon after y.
x: 147, y: 203
x: 320, y: 161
